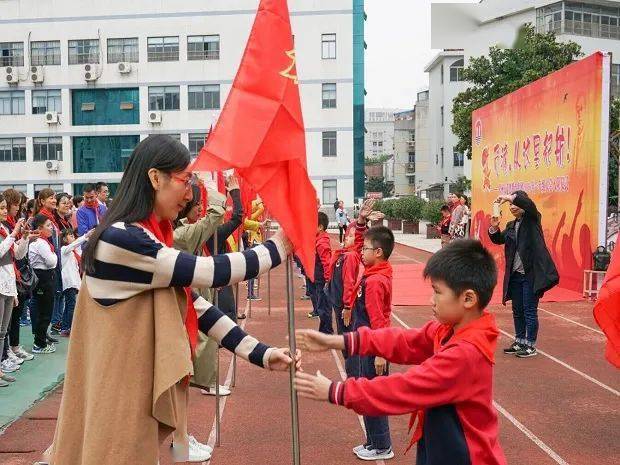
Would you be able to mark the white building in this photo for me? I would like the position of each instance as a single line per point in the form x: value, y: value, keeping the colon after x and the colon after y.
x: 463, y: 31
x: 82, y: 82
x: 380, y: 132
x: 404, y: 153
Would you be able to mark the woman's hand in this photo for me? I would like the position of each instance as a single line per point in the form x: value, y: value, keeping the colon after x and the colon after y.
x: 314, y: 387
x: 505, y: 198
x: 314, y: 341
x: 280, y: 359
x: 494, y: 222
x: 18, y: 228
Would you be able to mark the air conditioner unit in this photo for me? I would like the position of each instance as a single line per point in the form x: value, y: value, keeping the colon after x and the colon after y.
x: 52, y: 165
x: 90, y: 72
x: 51, y: 117
x: 12, y: 76
x: 155, y: 117
x: 36, y: 74
x: 124, y: 67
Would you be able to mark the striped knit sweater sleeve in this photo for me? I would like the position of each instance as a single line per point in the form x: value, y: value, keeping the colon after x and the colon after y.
x: 128, y: 261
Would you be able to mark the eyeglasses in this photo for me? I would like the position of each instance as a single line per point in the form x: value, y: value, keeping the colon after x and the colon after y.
x: 186, y: 181
x: 364, y: 249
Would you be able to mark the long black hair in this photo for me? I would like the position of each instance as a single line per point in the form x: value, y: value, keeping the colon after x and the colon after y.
x: 135, y: 197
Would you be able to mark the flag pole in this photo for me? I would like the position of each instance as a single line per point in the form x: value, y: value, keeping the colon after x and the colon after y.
x: 267, y: 234
x: 290, y: 297
x: 233, y: 379
x: 217, y: 360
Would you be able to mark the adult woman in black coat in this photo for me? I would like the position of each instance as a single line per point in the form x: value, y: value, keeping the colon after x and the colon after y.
x: 530, y: 270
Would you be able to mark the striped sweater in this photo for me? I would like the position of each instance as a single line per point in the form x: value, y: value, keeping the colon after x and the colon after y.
x: 130, y: 260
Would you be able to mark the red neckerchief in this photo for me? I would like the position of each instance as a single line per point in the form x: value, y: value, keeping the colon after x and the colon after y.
x: 4, y: 234
x: 338, y: 252
x: 382, y: 268
x: 50, y: 215
x: 485, y: 341
x: 11, y: 221
x: 95, y: 207
x: 163, y: 231
x: 61, y: 221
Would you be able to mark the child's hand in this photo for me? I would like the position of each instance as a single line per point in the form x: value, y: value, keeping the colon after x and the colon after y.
x: 313, y: 341
x: 346, y: 316
x: 380, y: 365
x: 280, y: 359
x: 314, y: 387
x: 376, y: 216
x: 366, y: 208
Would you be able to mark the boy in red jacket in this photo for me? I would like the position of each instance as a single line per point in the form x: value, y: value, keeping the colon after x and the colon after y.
x: 449, y: 390
x: 320, y: 304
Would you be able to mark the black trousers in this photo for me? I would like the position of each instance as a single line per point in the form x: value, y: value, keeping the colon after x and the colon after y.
x: 226, y: 302
x: 43, y: 296
x: 15, y: 317
x: 341, y: 231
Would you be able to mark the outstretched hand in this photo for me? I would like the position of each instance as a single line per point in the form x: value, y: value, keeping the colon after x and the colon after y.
x: 280, y: 359
x: 366, y: 208
x: 315, y: 387
x: 314, y: 341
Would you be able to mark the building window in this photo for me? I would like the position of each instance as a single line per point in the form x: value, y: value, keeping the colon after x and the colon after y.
x: 163, y: 48
x: 441, y: 73
x: 13, y: 149
x: 329, y: 95
x: 105, y: 106
x: 441, y: 151
x: 329, y: 143
x: 164, y: 98
x: 441, y: 114
x: 411, y: 180
x: 11, y: 54
x: 456, y: 70
x: 196, y: 142
x: 123, y: 50
x: 12, y: 102
x: 328, y: 46
x: 204, y: 97
x: 102, y: 154
x: 330, y: 191
x: 58, y: 188
x: 411, y: 157
x: 45, y: 52
x: 83, y: 51
x: 579, y: 18
x: 203, y: 47
x: 47, y: 148
x: 459, y: 158
x: 18, y: 187
x: 46, y: 100
x: 615, y: 80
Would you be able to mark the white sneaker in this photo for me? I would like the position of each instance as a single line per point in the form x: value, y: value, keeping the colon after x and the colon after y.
x: 8, y: 366
x: 21, y: 353
x: 375, y: 454
x: 14, y: 358
x: 356, y: 449
x: 48, y: 349
x: 194, y: 442
x: 196, y: 453
x: 224, y: 391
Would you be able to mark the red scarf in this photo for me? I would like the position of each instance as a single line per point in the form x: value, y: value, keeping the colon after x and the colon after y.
x: 163, y: 231
x: 382, y: 268
x: 11, y: 221
x: 62, y: 222
x: 94, y: 205
x: 50, y: 215
x: 4, y: 234
x: 482, y: 333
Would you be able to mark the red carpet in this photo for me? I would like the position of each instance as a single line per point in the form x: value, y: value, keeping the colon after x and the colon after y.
x: 409, y: 288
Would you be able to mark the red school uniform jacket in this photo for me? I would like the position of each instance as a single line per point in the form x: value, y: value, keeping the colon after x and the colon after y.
x: 449, y: 388
x: 372, y: 297
x: 323, y: 258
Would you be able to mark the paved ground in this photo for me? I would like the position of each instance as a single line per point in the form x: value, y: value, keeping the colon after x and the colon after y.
x: 561, y: 407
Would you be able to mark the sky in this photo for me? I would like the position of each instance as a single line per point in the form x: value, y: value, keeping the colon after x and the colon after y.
x: 398, y: 34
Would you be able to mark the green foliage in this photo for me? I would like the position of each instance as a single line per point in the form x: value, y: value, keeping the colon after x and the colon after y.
x: 432, y: 211
x: 462, y: 184
x: 409, y: 208
x: 504, y: 71
x: 614, y: 126
x: 380, y: 185
x: 387, y: 207
x: 376, y: 160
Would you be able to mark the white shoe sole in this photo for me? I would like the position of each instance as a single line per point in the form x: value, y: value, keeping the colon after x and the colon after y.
x: 204, y: 392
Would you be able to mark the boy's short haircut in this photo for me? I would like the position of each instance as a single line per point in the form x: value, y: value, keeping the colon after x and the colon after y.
x: 465, y: 264
x: 88, y: 188
x: 381, y: 237
x: 66, y: 232
x: 323, y: 220
x: 100, y: 185
x: 39, y: 220
x: 445, y: 208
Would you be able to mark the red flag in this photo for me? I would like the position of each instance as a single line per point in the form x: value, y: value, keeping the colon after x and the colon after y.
x: 607, y: 309
x: 260, y: 131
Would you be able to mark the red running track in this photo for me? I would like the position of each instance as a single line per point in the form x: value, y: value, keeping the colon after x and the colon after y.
x: 562, y: 407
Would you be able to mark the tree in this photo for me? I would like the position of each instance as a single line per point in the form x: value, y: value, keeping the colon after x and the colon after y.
x: 614, y: 150
x: 380, y: 185
x: 462, y: 185
x: 506, y: 70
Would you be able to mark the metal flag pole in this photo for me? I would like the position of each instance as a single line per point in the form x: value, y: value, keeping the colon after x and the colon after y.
x: 267, y: 234
x: 290, y: 304
x: 233, y: 379
x: 217, y: 360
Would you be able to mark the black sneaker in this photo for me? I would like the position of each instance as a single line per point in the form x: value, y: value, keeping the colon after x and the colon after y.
x: 51, y: 340
x: 313, y: 315
x: 526, y: 351
x: 514, y: 348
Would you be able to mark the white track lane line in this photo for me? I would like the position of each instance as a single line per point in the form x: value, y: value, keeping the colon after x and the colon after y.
x: 535, y: 439
x: 343, y: 376
x: 573, y: 321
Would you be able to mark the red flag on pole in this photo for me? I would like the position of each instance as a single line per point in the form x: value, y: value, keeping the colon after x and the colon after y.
x: 607, y: 309
x: 260, y: 131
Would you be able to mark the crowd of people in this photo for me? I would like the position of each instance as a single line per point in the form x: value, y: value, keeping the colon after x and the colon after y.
x: 40, y: 273
x: 455, y: 219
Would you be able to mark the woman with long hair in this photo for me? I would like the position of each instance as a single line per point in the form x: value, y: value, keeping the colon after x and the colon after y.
x: 62, y: 215
x: 137, y: 319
